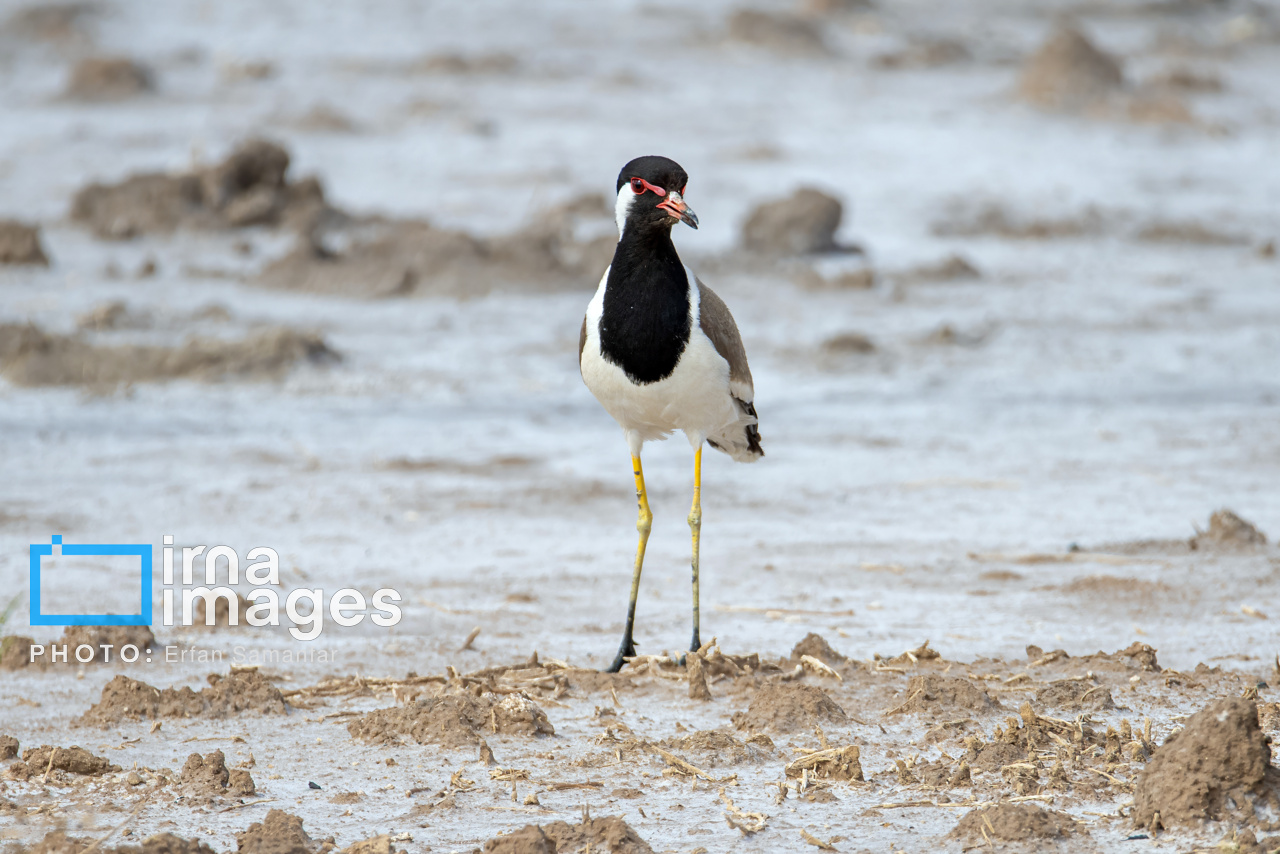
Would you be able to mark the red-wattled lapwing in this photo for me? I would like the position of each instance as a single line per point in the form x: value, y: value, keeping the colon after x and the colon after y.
x: 661, y: 352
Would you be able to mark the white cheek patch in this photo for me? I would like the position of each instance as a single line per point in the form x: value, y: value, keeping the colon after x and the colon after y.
x: 626, y: 196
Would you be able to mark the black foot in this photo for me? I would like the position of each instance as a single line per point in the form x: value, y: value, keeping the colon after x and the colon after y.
x: 627, y: 650
x: 696, y: 643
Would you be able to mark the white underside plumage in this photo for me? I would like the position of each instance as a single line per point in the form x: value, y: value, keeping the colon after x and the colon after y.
x: 697, y: 397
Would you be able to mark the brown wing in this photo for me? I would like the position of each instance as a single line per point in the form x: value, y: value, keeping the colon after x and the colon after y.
x: 717, y: 324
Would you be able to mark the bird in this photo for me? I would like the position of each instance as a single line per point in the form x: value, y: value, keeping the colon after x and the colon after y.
x: 660, y: 351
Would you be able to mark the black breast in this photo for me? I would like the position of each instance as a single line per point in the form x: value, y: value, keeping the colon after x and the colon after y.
x: 645, y: 323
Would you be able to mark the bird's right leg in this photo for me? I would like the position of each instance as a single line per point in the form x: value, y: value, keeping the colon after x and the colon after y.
x: 643, y: 524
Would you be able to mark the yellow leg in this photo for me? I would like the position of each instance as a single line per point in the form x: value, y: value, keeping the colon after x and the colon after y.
x: 695, y: 527
x: 644, y: 523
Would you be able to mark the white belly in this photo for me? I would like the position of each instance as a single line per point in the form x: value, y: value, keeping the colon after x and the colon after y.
x: 694, y: 398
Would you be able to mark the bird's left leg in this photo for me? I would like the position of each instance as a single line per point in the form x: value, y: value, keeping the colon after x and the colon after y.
x: 695, y: 528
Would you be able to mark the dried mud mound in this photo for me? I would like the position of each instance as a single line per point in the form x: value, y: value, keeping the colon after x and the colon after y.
x: 108, y: 78
x: 29, y: 356
x: 453, y: 720
x: 279, y: 833
x: 57, y: 842
x: 784, y: 707
x: 944, y: 695
x: 1069, y: 73
x: 1228, y: 531
x: 1012, y: 823
x: 128, y: 699
x: 20, y: 244
x: 1075, y: 695
x: 73, y: 760
x: 8, y: 747
x: 1218, y: 767
x: 208, y: 776
x: 783, y: 33
x: 250, y: 187
x: 608, y: 834
x: 15, y: 651
x: 717, y: 747
x: 816, y: 645
x: 804, y: 222
x: 401, y: 258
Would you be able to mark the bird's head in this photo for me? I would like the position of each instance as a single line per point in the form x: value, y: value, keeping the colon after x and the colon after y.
x: 651, y: 195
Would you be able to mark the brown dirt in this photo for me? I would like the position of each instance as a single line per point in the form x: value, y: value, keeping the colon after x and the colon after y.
x: 242, y: 691
x: 29, y: 356
x: 456, y: 63
x: 111, y: 315
x: 1069, y: 73
x: 994, y: 220
x: 953, y: 268
x: 1184, y: 79
x: 716, y: 747
x: 1012, y: 823
x: 787, y: 707
x: 608, y: 834
x: 57, y: 842
x: 927, y: 53
x: 453, y: 720
x: 108, y: 78
x: 52, y: 22
x: 20, y: 244
x: 1188, y: 233
x: 279, y: 833
x: 221, y: 613
x: 401, y: 258
x: 250, y: 187
x: 208, y: 776
x: 1228, y: 531
x: 1217, y: 767
x: 15, y: 652
x: 816, y: 645
x: 8, y: 747
x: 73, y: 760
x: 114, y: 637
x: 1111, y: 585
x: 1075, y: 695
x: 779, y: 32
x: 804, y: 222
x: 849, y: 342
x: 944, y: 695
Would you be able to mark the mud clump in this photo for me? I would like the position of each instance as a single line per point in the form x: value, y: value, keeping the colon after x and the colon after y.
x: 1217, y: 767
x: 1069, y: 73
x: 106, y: 641
x: 221, y: 616
x: 784, y: 707
x: 279, y: 833
x: 1228, y: 531
x: 209, y: 776
x: 848, y: 343
x: 608, y: 834
x: 1012, y: 823
x: 53, y: 22
x: 250, y: 187
x: 994, y: 220
x: 15, y: 651
x: 128, y: 699
x: 1075, y: 695
x: 108, y: 78
x: 936, y: 695
x: 953, y: 268
x: 816, y: 645
x: 927, y: 53
x: 57, y: 842
x: 8, y: 747
x: 453, y: 720
x: 72, y: 760
x: 782, y: 33
x: 31, y: 357
x: 804, y: 222
x: 378, y: 259
x: 20, y: 244
x: 718, y: 747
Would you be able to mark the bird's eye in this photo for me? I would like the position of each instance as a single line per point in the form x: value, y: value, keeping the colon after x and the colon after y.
x: 637, y: 186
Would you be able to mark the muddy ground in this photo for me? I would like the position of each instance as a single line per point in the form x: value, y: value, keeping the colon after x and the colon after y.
x: 309, y: 277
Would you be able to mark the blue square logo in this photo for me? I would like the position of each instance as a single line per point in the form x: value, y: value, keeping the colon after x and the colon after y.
x: 144, y: 554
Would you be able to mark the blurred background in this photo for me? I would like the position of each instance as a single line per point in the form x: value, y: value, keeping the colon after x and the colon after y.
x: 310, y: 275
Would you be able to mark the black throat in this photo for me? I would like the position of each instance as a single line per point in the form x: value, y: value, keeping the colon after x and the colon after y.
x: 644, y: 325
